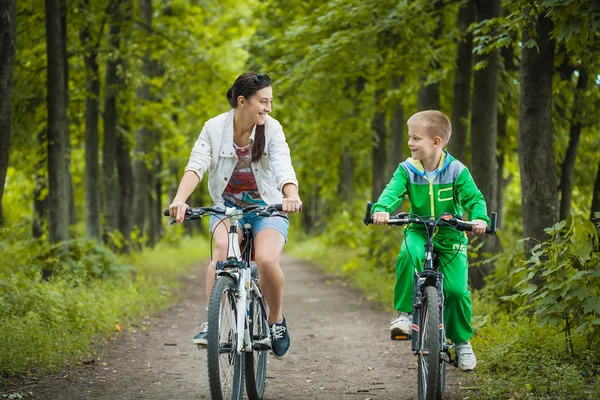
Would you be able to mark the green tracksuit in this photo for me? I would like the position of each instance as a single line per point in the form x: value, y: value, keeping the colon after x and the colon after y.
x: 451, y: 190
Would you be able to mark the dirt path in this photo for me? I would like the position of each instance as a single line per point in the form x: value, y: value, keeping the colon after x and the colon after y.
x: 340, y: 350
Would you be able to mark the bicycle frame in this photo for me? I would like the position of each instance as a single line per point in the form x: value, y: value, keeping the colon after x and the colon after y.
x: 430, y: 276
x: 238, y: 267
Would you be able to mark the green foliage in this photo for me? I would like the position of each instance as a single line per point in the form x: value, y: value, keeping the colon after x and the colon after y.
x: 560, y: 283
x: 520, y: 359
x: 46, y: 323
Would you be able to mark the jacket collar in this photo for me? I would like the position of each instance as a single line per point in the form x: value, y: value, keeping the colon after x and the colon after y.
x: 417, y: 166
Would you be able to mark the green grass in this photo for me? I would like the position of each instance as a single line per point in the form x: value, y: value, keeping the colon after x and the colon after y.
x: 46, y: 324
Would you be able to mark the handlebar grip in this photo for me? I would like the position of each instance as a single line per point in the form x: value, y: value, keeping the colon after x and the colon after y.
x: 278, y: 207
x: 492, y: 228
x: 166, y: 212
x: 368, y: 218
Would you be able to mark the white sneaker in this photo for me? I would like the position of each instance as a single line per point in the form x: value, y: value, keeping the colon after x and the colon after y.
x: 466, y: 357
x: 201, y: 338
x: 402, y: 324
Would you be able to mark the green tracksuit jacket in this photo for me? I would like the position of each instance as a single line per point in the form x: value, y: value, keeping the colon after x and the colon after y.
x: 451, y: 190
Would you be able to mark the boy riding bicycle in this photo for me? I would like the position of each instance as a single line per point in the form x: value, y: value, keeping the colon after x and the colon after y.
x: 436, y: 183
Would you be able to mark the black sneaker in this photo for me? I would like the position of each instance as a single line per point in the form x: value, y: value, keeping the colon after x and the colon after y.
x: 280, y: 339
x: 201, y: 338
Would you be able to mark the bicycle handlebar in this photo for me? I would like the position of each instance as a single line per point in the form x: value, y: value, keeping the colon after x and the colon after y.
x: 444, y: 220
x: 198, y: 212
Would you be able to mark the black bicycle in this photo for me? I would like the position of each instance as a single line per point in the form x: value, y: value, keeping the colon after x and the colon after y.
x: 428, y: 332
x: 237, y: 312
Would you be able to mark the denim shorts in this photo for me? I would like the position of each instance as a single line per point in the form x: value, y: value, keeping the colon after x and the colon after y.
x: 258, y: 223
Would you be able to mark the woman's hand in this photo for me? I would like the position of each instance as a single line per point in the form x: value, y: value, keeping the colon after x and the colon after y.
x: 291, y: 205
x: 177, y: 210
x: 381, y: 218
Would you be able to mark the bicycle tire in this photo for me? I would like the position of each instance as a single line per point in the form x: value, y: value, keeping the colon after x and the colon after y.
x: 225, y: 367
x: 256, y: 362
x: 429, y: 354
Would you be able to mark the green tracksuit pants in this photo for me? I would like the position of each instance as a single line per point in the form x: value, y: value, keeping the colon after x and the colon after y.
x: 457, y: 303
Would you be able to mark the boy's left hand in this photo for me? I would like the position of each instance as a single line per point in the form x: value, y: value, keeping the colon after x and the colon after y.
x: 480, y: 228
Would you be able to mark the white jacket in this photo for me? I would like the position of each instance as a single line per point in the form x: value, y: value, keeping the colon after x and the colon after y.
x: 214, y: 152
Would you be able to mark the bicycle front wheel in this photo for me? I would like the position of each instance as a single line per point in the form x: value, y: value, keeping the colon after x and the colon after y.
x: 256, y: 363
x: 429, y: 346
x: 225, y: 365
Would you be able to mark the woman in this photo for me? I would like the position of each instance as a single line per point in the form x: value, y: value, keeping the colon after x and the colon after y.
x: 248, y: 160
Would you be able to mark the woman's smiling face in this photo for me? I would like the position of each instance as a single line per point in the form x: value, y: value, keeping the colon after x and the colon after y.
x: 259, y: 105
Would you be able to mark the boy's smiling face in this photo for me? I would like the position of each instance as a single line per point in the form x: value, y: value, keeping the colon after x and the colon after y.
x: 422, y: 145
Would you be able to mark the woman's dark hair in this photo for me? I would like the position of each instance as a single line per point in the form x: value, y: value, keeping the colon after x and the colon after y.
x: 247, y: 85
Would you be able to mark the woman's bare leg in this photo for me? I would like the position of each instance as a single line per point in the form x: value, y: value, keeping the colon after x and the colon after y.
x: 268, y: 245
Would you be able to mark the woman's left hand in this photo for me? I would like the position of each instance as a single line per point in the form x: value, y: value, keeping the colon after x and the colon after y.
x: 291, y: 205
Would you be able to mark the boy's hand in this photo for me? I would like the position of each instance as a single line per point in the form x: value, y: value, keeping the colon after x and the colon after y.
x: 480, y: 228
x: 381, y: 218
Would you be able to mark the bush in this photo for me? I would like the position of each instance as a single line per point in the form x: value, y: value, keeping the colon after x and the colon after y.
x: 50, y: 319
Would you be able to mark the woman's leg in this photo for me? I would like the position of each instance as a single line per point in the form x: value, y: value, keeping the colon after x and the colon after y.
x: 268, y: 245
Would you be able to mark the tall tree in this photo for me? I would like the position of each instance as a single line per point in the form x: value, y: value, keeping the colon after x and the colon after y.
x: 92, y: 166
x: 40, y: 188
x: 567, y: 174
x: 58, y: 190
x: 484, y: 130
x: 429, y: 93
x: 141, y: 171
x: 380, y: 149
x: 463, y: 75
x: 8, y: 26
x: 63, y: 42
x: 595, y: 208
x: 539, y: 193
x: 397, y: 137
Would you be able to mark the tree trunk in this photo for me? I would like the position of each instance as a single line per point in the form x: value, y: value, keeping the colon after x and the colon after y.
x: 397, y: 138
x: 379, y: 154
x: 595, y: 208
x: 40, y: 196
x: 345, y: 189
x: 428, y: 97
x: 502, y: 183
x: 567, y: 175
x: 67, y: 155
x: 8, y: 25
x: 346, y: 183
x: 142, y: 179
x: 125, y: 190
x: 536, y: 154
x: 461, y: 104
x: 58, y: 189
x: 484, y: 133
x: 92, y: 166
x: 510, y: 66
x: 109, y: 146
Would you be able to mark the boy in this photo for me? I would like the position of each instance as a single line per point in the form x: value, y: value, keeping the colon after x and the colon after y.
x: 436, y: 183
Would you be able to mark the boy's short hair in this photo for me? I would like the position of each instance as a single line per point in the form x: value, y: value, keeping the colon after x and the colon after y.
x: 435, y: 122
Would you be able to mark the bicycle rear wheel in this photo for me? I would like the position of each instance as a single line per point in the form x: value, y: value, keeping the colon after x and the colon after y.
x: 256, y: 363
x: 429, y: 346
x: 225, y: 367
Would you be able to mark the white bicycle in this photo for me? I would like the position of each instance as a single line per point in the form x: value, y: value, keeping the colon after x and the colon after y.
x: 238, y: 330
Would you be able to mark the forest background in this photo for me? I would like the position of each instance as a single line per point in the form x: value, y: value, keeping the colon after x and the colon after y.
x: 101, y: 102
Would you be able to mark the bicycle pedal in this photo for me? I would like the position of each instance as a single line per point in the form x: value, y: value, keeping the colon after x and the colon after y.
x: 402, y: 336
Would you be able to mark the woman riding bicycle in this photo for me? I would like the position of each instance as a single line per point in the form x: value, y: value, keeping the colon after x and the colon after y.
x: 248, y: 162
